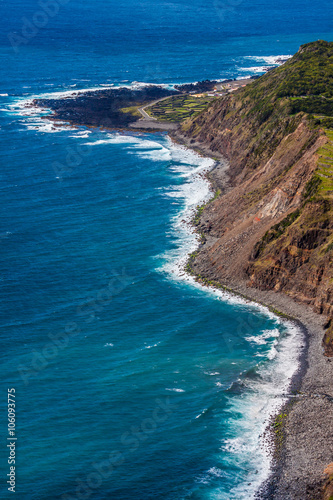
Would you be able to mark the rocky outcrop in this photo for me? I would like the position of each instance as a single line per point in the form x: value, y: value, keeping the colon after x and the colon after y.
x: 328, y: 339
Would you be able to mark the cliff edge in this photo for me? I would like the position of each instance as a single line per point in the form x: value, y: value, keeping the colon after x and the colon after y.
x: 273, y: 227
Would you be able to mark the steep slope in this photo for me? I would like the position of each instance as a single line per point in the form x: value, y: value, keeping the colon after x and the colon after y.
x: 274, y: 227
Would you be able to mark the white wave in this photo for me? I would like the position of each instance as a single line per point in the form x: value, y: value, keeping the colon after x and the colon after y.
x: 46, y: 126
x: 109, y: 345
x: 115, y: 139
x: 190, y: 163
x: 265, y: 63
x: 65, y: 93
x: 35, y: 117
x: 202, y: 413
x: 81, y: 135
x: 161, y: 154
x: 195, y: 191
x: 264, y: 336
x: 257, y: 405
x: 3, y: 95
x: 244, y: 77
x: 215, y: 471
x: 140, y: 85
x: 236, y: 445
x: 255, y: 69
x: 264, y: 396
x: 175, y: 389
x: 146, y: 144
x: 151, y: 346
x: 270, y: 60
x: 272, y: 353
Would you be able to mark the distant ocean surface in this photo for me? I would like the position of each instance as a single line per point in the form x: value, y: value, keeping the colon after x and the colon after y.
x: 132, y: 381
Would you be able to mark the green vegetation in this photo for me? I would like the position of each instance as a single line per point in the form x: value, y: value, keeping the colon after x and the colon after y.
x: 198, y: 214
x: 320, y: 186
x: 216, y: 195
x: 324, y: 173
x: 200, y: 209
x: 302, y: 84
x: 265, y: 112
x: 310, y: 72
x: 132, y: 110
x: 320, y: 105
x: 179, y: 108
x: 278, y: 426
x: 325, y: 122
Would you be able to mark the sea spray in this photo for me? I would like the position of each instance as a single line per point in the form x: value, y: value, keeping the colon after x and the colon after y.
x: 250, y: 412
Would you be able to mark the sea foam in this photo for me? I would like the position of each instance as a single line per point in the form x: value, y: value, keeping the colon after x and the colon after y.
x: 263, y: 396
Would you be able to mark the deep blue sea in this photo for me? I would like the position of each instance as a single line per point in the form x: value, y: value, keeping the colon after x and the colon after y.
x: 132, y: 382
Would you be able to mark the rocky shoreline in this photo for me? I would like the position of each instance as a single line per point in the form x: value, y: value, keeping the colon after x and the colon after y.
x: 307, y: 444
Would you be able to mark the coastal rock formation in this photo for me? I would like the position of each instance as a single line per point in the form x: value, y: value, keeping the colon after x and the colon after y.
x: 115, y: 107
x: 328, y: 339
x: 273, y: 228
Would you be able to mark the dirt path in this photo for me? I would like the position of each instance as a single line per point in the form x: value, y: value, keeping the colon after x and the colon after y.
x: 143, y: 112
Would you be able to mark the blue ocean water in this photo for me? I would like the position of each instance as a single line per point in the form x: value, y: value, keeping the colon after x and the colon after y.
x: 131, y: 380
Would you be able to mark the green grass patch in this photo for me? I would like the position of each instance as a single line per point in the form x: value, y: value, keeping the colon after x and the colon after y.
x: 178, y: 108
x: 132, y: 110
x: 324, y: 171
x: 278, y: 427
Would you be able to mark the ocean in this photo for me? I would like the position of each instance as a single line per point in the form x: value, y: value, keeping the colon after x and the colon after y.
x: 132, y: 381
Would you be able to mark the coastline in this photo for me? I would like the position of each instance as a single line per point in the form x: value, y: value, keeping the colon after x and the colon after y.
x: 305, y: 447
x: 298, y: 463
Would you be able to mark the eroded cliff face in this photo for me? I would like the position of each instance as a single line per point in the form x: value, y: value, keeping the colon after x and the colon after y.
x: 273, y: 228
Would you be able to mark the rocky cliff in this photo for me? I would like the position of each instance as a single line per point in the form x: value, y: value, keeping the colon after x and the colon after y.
x: 273, y: 226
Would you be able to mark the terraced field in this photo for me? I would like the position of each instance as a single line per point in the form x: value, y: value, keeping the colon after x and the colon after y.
x: 177, y: 108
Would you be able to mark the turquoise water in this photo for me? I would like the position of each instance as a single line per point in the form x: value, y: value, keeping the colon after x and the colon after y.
x: 132, y: 381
